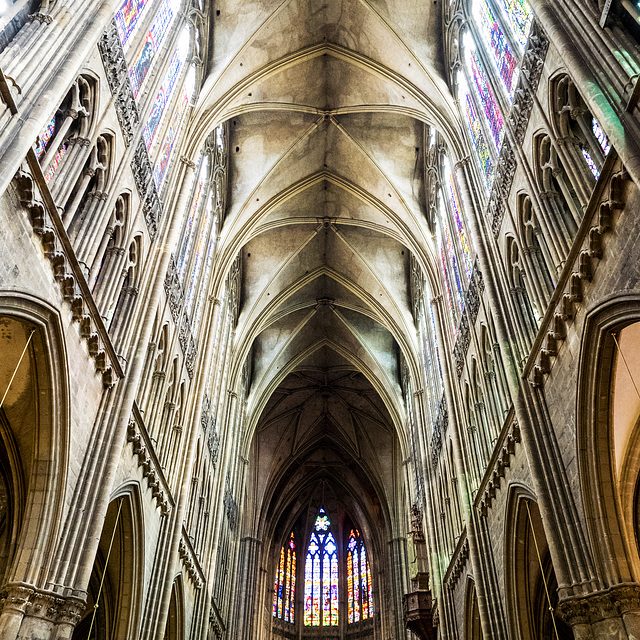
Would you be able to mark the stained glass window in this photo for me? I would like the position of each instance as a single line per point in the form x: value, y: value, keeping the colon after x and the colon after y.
x: 519, y: 17
x: 321, y: 575
x: 458, y: 219
x: 496, y: 42
x: 166, y: 89
x: 285, y: 583
x: 128, y: 16
x: 359, y: 589
x: 475, y: 129
x: 45, y: 138
x: 455, y: 315
x: 55, y: 163
x: 141, y: 64
x: 601, y: 137
x: 591, y: 163
x: 203, y: 242
x: 189, y: 231
x: 175, y: 126
x: 484, y: 92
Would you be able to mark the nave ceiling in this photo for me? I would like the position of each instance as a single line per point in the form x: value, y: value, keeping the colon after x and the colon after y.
x: 326, y: 104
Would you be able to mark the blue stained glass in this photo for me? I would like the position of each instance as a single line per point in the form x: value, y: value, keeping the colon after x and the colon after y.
x: 128, y: 16
x: 45, y: 137
x: 519, y: 16
x: 459, y: 222
x: 600, y: 135
x: 496, y: 42
x: 321, y: 576
x: 475, y: 129
x: 484, y: 92
x: 162, y: 99
x: 591, y: 163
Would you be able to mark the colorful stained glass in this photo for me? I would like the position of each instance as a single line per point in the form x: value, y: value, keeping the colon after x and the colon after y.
x: 165, y: 92
x: 141, y: 64
x: 484, y: 92
x: 475, y: 129
x: 519, y: 16
x: 128, y: 16
x: 55, y: 163
x: 459, y: 222
x: 284, y: 588
x: 321, y: 576
x: 496, y: 42
x: 445, y: 277
x: 175, y: 127
x: 601, y: 136
x: 188, y: 233
x: 203, y: 241
x: 45, y: 137
x: 591, y: 163
x: 359, y: 593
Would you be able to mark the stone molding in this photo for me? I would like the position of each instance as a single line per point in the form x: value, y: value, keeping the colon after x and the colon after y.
x: 600, y: 605
x: 69, y: 276
x: 115, y: 66
x: 439, y: 430
x: 190, y: 560
x: 145, y: 184
x: 143, y: 449
x: 496, y: 469
x: 469, y: 316
x: 530, y: 72
x: 175, y: 297
x: 29, y: 601
x: 208, y: 422
x: 578, y: 271
x: 458, y: 562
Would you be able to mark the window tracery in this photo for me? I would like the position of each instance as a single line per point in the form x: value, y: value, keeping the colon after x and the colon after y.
x: 285, y: 583
x: 321, y: 575
x: 359, y: 592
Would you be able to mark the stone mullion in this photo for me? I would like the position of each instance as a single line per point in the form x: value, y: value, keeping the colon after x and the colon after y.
x: 76, y: 549
x: 68, y: 172
x: 154, y: 405
x: 146, y: 385
x: 157, y: 612
x: 95, y: 260
x: 576, y: 171
x: 91, y: 225
x: 602, y: 90
x: 547, y: 260
x: 18, y: 137
x: 534, y: 279
x: 59, y: 138
x: 109, y: 280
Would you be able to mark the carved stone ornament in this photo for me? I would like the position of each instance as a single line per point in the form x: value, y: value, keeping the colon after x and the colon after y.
x: 530, y: 71
x: 601, y: 605
x: 439, y: 430
x: 115, y: 66
x: 146, y: 186
x: 35, y: 603
x: 469, y: 316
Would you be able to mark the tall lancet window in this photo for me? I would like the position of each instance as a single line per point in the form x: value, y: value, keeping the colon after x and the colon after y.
x: 321, y: 576
x: 285, y: 584
x: 359, y: 592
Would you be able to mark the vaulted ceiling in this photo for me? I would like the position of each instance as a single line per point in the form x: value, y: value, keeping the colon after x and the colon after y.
x: 327, y: 102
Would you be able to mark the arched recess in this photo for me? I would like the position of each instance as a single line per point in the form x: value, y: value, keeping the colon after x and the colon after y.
x: 608, y: 452
x: 33, y: 436
x: 118, y: 572
x: 530, y: 580
x: 175, y: 620
x: 473, y: 630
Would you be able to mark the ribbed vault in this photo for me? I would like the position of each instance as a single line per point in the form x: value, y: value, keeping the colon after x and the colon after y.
x: 327, y: 105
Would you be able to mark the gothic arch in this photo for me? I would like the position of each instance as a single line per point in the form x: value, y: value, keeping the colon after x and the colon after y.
x: 473, y: 630
x: 118, y: 571
x: 175, y: 618
x: 609, y: 487
x: 34, y: 432
x: 530, y: 581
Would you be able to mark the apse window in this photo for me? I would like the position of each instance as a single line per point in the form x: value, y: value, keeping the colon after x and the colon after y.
x: 326, y: 564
